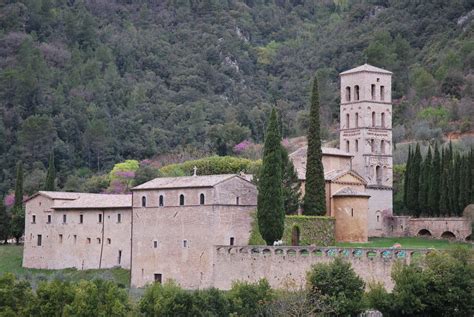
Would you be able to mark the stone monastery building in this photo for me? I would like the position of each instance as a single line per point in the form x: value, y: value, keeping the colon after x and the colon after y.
x: 169, y: 228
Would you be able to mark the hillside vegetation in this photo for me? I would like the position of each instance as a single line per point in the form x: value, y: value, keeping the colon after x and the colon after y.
x: 108, y: 80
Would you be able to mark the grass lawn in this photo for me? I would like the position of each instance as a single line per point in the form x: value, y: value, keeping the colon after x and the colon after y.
x: 408, y: 242
x: 11, y: 257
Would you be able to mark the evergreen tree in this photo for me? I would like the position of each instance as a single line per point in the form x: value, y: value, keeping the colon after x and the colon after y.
x: 425, y: 184
x: 314, y: 202
x: 471, y: 178
x: 18, y: 214
x: 464, y: 185
x: 456, y: 180
x: 51, y: 175
x: 444, y: 184
x: 406, y: 184
x: 414, y: 183
x: 4, y: 222
x: 290, y: 184
x: 435, y: 179
x: 270, y: 212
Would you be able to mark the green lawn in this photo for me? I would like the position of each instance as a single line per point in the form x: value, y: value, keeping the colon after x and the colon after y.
x: 408, y: 242
x: 11, y: 258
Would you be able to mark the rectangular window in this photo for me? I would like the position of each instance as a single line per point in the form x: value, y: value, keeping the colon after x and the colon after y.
x: 109, y: 241
x: 119, y: 218
x: 237, y: 200
x: 155, y: 244
x: 119, y: 256
x: 185, y: 243
x: 88, y: 240
x: 75, y: 239
x: 372, y: 92
x: 49, y: 218
x: 98, y: 240
x: 232, y: 241
x: 81, y: 218
x: 33, y: 220
x: 158, y: 278
x: 60, y: 238
x: 100, y: 218
x: 64, y: 218
x: 382, y: 93
x: 39, y: 241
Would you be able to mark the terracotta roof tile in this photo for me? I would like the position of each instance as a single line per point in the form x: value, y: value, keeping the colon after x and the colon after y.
x: 185, y: 181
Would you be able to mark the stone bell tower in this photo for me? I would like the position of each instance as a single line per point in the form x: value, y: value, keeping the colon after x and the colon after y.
x: 366, y: 133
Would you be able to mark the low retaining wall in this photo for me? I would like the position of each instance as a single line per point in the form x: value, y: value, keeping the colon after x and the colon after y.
x: 457, y: 228
x: 286, y: 266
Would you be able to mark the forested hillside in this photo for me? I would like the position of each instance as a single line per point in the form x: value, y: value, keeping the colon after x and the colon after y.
x: 100, y: 81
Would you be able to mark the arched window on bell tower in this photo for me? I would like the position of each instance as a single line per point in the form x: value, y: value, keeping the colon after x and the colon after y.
x: 348, y: 148
x: 378, y: 174
x: 373, y: 119
x: 356, y: 92
x: 382, y: 146
x: 348, y: 93
x: 382, y: 119
x: 348, y: 121
x: 356, y: 119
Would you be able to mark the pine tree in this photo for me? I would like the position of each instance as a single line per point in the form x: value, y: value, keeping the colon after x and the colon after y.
x: 425, y: 184
x: 414, y: 183
x: 435, y: 179
x: 406, y: 183
x: 270, y: 212
x: 290, y: 184
x: 4, y: 222
x: 18, y: 214
x: 314, y: 202
x: 51, y: 175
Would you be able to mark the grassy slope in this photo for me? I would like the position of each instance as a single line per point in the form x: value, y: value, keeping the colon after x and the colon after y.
x: 407, y: 242
x: 11, y: 261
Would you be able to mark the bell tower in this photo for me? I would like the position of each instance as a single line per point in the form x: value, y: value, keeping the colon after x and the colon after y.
x: 366, y: 133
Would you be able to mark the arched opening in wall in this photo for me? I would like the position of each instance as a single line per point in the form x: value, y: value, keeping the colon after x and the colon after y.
x: 201, y: 199
x: 356, y: 92
x: 143, y: 201
x: 372, y: 145
x: 295, y: 235
x: 348, y: 93
x: 357, y: 145
x: 181, y: 200
x: 372, y: 91
x: 382, y: 147
x: 382, y: 93
x: 348, y: 148
x: 448, y: 235
x: 348, y: 121
x: 378, y: 174
x: 356, y: 119
x: 424, y: 233
x: 373, y: 118
x: 382, y: 119
x: 161, y: 201
x: 469, y: 237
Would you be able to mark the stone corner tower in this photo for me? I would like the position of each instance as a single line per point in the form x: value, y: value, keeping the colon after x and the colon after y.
x: 366, y: 133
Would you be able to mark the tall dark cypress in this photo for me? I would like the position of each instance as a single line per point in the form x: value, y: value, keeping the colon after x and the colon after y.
x: 406, y: 182
x: 18, y: 214
x: 471, y: 164
x: 452, y: 202
x: 435, y: 179
x: 290, y: 184
x: 270, y: 211
x: 51, y: 175
x: 414, y: 190
x: 425, y: 184
x: 464, y: 185
x: 443, y: 196
x: 456, y: 183
x: 314, y: 202
x: 4, y: 223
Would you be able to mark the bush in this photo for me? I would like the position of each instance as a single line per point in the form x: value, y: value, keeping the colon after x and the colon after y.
x: 335, y: 288
x: 248, y: 299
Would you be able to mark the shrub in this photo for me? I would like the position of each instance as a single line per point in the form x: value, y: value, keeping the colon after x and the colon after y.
x: 335, y: 288
x: 248, y: 299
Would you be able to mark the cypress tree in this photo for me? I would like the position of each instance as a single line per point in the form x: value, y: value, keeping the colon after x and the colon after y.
x: 456, y: 180
x: 270, y: 212
x: 443, y: 196
x: 51, y: 175
x: 406, y: 183
x: 425, y: 183
x: 290, y: 184
x: 464, y: 186
x: 435, y: 178
x: 414, y: 183
x: 18, y: 214
x: 471, y: 178
x: 314, y: 202
x: 4, y: 223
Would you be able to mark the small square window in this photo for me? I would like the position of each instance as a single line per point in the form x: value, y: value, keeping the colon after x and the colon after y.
x: 185, y: 243
x: 81, y: 218
x: 49, y: 219
x: 33, y: 220
x: 64, y: 218
x: 119, y: 218
x: 109, y: 241
x: 155, y: 244
x: 88, y: 240
x: 100, y: 218
x: 98, y: 240
x: 232, y: 241
x: 158, y: 278
x: 39, y: 241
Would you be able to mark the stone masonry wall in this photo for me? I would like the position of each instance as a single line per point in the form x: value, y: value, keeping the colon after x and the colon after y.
x: 286, y: 267
x: 313, y: 230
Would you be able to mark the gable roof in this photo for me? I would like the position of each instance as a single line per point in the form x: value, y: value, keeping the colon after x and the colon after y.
x: 186, y: 181
x: 349, y: 192
x: 334, y: 175
x: 366, y: 68
x: 69, y: 200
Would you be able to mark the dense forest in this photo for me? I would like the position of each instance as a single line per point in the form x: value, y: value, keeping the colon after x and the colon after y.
x: 101, y: 81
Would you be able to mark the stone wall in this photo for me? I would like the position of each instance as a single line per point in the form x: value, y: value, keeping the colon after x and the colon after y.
x: 313, y: 230
x: 446, y: 227
x: 286, y: 267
